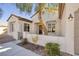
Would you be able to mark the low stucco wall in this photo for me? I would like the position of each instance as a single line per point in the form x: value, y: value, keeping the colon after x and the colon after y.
x: 43, y: 39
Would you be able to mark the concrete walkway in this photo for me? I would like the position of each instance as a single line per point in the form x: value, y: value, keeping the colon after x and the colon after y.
x: 11, y: 49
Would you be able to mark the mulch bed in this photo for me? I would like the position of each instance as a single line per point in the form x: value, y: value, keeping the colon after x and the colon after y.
x: 39, y: 49
x: 35, y: 48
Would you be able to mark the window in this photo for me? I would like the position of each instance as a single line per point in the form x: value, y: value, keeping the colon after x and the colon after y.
x: 51, y: 27
x: 26, y: 27
x: 11, y: 27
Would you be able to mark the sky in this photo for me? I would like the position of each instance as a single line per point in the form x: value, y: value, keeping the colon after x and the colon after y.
x: 10, y: 8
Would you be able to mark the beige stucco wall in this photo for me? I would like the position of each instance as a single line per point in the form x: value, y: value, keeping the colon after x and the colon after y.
x: 68, y: 26
x: 43, y: 39
x: 48, y: 16
x: 14, y: 33
x: 35, y: 20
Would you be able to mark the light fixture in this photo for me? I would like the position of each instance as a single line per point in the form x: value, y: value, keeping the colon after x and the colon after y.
x: 70, y: 16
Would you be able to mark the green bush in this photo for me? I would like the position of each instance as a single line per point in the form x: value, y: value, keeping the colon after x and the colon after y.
x: 52, y: 49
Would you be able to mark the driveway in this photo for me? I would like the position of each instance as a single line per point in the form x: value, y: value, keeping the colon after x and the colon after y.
x: 4, y: 38
x: 11, y: 49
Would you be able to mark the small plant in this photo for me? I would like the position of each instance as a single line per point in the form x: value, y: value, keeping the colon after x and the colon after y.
x: 24, y: 41
x: 52, y: 49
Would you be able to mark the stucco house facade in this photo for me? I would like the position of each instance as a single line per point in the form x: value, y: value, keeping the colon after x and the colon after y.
x: 62, y: 28
x: 17, y: 25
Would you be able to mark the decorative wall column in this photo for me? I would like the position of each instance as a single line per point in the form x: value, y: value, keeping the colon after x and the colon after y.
x: 58, y: 27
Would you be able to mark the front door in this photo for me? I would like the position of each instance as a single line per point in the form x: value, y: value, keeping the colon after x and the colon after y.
x: 40, y: 29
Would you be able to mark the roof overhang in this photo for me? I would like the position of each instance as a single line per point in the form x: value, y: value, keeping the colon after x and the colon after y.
x: 20, y: 18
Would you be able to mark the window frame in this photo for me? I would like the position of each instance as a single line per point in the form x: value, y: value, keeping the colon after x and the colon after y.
x: 26, y: 27
x: 51, y: 27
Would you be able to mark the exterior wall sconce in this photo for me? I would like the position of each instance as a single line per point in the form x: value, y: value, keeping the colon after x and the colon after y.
x: 70, y: 17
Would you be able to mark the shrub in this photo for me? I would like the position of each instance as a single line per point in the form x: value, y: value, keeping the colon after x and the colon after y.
x: 52, y: 49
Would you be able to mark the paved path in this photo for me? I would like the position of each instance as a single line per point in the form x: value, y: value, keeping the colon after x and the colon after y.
x: 11, y: 49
